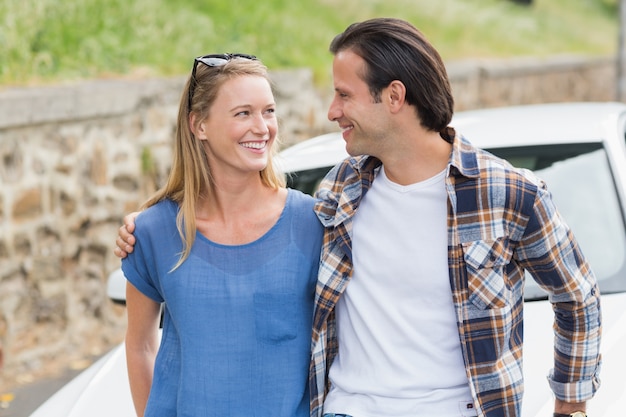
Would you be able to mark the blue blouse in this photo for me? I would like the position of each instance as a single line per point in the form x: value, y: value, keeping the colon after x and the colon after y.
x: 237, y: 319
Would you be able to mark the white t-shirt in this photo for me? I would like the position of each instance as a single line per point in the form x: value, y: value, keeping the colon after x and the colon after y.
x: 399, y: 349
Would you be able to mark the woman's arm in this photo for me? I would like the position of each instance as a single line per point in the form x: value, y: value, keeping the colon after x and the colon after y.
x: 142, y: 344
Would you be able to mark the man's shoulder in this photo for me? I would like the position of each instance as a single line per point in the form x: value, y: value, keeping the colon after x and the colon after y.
x: 349, y: 170
x: 496, y: 170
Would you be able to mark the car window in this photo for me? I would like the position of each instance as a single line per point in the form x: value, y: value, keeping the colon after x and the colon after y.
x: 307, y: 181
x: 583, y: 188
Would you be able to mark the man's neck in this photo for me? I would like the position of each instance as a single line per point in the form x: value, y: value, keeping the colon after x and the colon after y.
x: 417, y: 159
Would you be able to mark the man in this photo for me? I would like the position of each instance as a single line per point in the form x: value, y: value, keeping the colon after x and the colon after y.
x: 420, y: 291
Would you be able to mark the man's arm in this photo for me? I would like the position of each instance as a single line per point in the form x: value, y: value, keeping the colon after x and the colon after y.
x: 568, y: 408
x: 550, y: 252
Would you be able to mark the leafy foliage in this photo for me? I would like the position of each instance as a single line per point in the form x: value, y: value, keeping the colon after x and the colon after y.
x: 45, y: 41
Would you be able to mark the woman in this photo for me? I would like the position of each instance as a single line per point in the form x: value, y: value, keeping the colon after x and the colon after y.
x: 232, y: 256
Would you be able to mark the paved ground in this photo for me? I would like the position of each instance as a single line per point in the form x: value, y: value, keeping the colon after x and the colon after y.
x: 27, y: 398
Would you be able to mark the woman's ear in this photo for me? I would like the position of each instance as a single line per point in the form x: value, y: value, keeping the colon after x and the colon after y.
x: 198, y: 129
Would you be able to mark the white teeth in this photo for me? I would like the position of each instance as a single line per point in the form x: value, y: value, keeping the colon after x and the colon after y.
x: 254, y: 145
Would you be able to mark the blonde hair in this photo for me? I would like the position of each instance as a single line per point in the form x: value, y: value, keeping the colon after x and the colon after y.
x: 190, y: 176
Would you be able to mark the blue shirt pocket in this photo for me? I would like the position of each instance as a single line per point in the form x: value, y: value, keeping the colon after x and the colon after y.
x: 275, y: 317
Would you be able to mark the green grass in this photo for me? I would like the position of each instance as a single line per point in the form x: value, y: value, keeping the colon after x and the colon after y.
x: 50, y: 41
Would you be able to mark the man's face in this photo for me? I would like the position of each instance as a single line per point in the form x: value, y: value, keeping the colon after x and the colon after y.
x: 362, y: 121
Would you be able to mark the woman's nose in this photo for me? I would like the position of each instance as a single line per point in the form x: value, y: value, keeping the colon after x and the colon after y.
x: 260, y: 126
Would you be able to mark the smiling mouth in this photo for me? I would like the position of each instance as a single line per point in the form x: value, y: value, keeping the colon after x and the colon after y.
x: 254, y: 145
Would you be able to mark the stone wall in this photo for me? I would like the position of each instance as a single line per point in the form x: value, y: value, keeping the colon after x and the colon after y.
x: 495, y: 83
x: 75, y: 158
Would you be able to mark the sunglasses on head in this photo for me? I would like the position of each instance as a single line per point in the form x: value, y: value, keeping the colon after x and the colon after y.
x: 213, y: 60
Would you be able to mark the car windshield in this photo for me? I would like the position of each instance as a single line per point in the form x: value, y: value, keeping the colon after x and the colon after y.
x: 583, y: 188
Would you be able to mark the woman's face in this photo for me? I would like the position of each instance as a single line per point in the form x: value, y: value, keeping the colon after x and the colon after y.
x: 241, y: 127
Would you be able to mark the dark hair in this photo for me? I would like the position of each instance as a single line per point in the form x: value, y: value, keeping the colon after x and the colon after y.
x: 393, y: 49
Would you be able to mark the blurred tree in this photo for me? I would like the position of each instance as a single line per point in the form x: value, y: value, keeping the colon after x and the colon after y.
x: 621, y: 54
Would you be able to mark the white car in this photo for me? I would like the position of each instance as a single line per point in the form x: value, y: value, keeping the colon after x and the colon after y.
x: 578, y: 148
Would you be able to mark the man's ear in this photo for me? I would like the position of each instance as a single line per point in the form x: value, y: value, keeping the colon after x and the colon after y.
x: 396, y: 94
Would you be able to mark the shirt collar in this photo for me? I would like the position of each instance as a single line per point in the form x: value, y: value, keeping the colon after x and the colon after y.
x: 341, y: 195
x: 463, y: 157
x: 341, y: 192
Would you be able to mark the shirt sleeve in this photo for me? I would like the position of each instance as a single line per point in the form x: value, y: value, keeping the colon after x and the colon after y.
x: 550, y: 253
x: 140, y: 266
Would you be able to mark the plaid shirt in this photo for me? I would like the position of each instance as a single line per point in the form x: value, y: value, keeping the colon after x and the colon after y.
x: 501, y: 221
